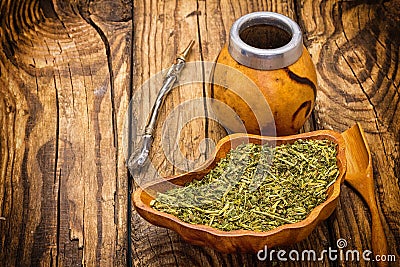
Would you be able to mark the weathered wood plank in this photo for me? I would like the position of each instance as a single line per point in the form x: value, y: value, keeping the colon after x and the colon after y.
x: 326, y: 31
x: 355, y: 47
x: 66, y: 68
x: 211, y: 22
x: 64, y: 90
x: 162, y: 29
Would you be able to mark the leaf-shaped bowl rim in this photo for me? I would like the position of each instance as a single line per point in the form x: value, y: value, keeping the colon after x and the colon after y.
x: 141, y: 199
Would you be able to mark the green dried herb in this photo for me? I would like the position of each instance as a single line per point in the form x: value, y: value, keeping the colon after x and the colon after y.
x: 257, y: 187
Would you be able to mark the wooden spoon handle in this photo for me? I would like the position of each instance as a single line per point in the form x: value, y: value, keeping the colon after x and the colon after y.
x: 379, y: 243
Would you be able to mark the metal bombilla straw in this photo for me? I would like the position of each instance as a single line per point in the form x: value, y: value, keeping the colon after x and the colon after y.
x: 139, y: 160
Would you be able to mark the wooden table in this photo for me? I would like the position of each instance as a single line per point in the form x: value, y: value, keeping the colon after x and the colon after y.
x: 68, y: 70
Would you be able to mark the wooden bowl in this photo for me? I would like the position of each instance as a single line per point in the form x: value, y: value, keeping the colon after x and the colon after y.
x: 244, y: 241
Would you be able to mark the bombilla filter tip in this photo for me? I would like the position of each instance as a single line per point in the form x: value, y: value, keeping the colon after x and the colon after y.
x: 186, y: 52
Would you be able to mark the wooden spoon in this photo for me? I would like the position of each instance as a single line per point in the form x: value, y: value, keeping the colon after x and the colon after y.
x: 359, y: 175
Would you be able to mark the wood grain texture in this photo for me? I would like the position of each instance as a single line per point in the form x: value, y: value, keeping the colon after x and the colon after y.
x: 68, y: 70
x: 64, y: 84
x: 322, y: 22
x: 356, y: 50
x: 210, y: 22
